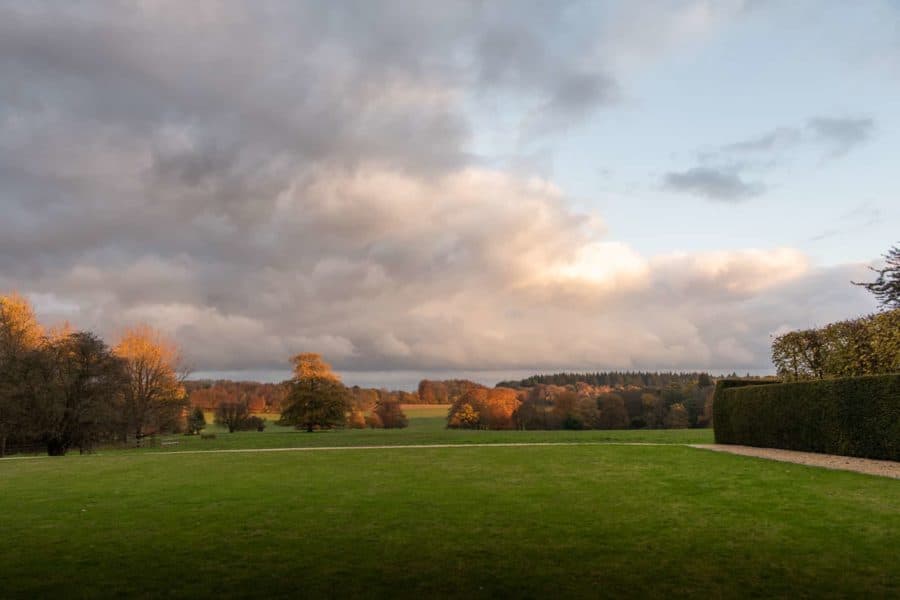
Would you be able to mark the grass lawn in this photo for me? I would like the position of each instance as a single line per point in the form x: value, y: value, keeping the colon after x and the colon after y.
x: 576, y: 521
x: 427, y: 425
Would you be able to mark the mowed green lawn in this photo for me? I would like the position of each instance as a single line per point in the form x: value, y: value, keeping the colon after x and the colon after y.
x: 532, y: 521
x: 427, y: 425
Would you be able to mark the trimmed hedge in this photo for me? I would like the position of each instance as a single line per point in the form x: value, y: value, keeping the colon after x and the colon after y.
x: 721, y: 416
x: 850, y: 416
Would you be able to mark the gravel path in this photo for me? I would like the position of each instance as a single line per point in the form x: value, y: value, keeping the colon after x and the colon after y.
x: 883, y: 468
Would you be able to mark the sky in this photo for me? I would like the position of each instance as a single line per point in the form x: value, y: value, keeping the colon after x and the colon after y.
x: 455, y: 189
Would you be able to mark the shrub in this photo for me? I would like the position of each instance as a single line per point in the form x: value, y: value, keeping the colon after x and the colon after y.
x: 252, y: 423
x: 391, y: 415
x: 677, y: 417
x: 851, y: 416
x: 374, y: 421
x: 231, y: 415
x: 356, y: 420
x: 196, y: 421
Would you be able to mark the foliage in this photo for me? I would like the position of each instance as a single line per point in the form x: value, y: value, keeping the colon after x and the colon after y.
x: 20, y: 334
x: 315, y: 404
x: 853, y: 416
x: 374, y: 421
x: 865, y: 346
x: 196, y: 421
x: 612, y: 412
x: 442, y: 392
x: 252, y: 423
x: 154, y: 394
x: 260, y: 397
x: 886, y: 286
x: 677, y: 417
x: 308, y: 366
x: 356, y: 420
x: 391, y: 415
x: 74, y: 384
x: 232, y: 415
x: 62, y: 389
x: 484, y: 408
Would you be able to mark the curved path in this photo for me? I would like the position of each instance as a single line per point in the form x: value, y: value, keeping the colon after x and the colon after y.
x: 883, y: 468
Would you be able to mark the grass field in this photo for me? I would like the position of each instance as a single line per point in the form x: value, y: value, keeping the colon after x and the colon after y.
x: 538, y: 521
x: 427, y: 425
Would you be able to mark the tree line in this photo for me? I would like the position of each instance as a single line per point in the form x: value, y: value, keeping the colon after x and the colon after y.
x: 584, y: 406
x: 866, y: 346
x: 869, y: 345
x: 643, y: 379
x: 62, y: 389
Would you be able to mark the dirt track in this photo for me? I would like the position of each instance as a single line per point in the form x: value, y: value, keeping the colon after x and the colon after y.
x: 883, y: 468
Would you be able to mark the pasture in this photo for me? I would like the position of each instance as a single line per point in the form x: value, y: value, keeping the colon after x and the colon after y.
x: 533, y: 521
x: 426, y: 426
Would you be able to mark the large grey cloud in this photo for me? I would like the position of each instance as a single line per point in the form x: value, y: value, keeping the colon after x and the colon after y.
x: 264, y: 179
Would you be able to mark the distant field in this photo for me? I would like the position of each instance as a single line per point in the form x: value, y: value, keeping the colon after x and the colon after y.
x: 427, y: 425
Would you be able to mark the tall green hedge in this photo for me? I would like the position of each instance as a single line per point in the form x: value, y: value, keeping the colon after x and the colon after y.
x: 851, y: 416
x: 721, y: 416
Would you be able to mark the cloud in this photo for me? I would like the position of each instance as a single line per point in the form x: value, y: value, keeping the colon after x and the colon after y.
x: 720, y: 176
x: 842, y: 134
x: 862, y: 216
x: 835, y: 136
x: 263, y: 181
x: 720, y: 185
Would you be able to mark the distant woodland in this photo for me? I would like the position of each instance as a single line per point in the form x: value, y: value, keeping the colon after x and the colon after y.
x: 607, y: 400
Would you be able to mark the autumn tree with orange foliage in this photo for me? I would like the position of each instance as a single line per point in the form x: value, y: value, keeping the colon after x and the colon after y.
x: 391, y: 414
x: 484, y: 408
x: 311, y: 366
x: 20, y: 333
x: 317, y: 398
x: 155, y: 395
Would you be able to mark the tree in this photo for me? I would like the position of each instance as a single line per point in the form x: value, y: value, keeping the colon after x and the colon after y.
x: 654, y: 412
x: 886, y: 287
x: 308, y: 365
x: 75, y: 384
x: 316, y: 403
x: 612, y: 412
x: 463, y: 417
x: 677, y: 417
x: 20, y: 334
x: 479, y: 407
x: 356, y: 420
x: 155, y: 390
x: 196, y: 421
x: 317, y: 398
x: 391, y: 414
x: 232, y: 415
